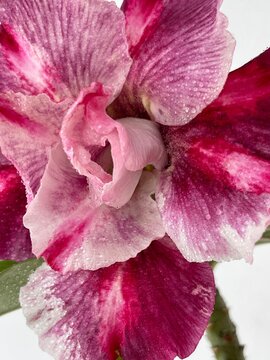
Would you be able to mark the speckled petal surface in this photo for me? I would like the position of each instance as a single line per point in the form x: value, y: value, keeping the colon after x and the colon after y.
x: 181, y: 61
x: 42, y: 50
x: 72, y: 230
x: 15, y: 241
x: 214, y: 198
x: 155, y: 306
x: 142, y: 17
x: 29, y: 126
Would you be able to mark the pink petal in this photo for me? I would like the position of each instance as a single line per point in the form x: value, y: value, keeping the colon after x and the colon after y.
x: 155, y: 306
x: 231, y: 163
x: 181, y: 66
x: 43, y: 51
x: 208, y: 220
x: 22, y: 67
x: 141, y: 144
x: 15, y: 241
x: 112, y: 154
x: 72, y: 231
x: 214, y: 199
x: 29, y: 125
x: 141, y: 19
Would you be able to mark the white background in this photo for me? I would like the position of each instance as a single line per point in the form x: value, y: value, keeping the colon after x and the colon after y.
x: 245, y: 287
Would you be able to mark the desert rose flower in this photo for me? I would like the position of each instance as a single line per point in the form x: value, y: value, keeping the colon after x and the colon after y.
x: 96, y: 107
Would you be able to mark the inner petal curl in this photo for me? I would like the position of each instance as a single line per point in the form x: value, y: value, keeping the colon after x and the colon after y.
x: 110, y: 153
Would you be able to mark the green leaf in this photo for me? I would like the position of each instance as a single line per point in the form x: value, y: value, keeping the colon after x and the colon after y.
x: 267, y: 234
x: 13, y: 276
x: 265, y: 238
x: 5, y: 264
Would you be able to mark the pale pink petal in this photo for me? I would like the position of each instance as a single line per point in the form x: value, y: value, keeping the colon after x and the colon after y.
x: 155, y: 306
x: 214, y: 198
x: 141, y: 144
x: 29, y: 125
x: 15, y: 241
x: 181, y: 63
x: 110, y: 153
x: 41, y: 49
x: 72, y: 231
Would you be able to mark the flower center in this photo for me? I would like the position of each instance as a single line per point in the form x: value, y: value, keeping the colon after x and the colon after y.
x: 112, y: 154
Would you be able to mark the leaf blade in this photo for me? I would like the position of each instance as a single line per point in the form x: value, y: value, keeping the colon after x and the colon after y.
x: 5, y: 264
x: 12, y: 278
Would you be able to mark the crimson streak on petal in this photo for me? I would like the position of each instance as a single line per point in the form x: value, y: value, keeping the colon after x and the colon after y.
x: 141, y: 19
x: 214, y: 198
x: 15, y: 241
x: 155, y: 306
x: 34, y: 74
x: 66, y: 212
x: 181, y: 62
x: 52, y: 55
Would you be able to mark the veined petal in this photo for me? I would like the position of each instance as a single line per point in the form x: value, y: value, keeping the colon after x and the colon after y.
x: 180, y: 63
x: 29, y: 125
x: 233, y: 164
x: 72, y: 231
x: 43, y: 51
x: 22, y: 68
x: 141, y: 19
x: 15, y: 241
x: 206, y: 219
x: 215, y: 196
x: 110, y: 153
x: 155, y: 306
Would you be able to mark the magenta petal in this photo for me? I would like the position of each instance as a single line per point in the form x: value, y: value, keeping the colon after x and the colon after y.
x: 208, y: 220
x: 43, y: 51
x: 155, y: 306
x: 182, y: 65
x: 142, y: 17
x: 241, y: 112
x: 15, y: 241
x: 72, y: 231
x: 214, y: 199
x: 231, y: 164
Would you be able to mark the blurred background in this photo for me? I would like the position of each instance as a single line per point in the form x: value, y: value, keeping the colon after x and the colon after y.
x: 245, y: 287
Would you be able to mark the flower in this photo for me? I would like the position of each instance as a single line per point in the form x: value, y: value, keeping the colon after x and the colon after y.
x: 119, y: 141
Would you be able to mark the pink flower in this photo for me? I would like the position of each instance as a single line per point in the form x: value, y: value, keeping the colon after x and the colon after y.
x: 90, y: 97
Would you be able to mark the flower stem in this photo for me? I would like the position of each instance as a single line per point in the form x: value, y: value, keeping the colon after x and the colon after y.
x: 221, y: 333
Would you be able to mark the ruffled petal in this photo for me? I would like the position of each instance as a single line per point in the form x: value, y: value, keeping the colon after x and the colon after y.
x: 50, y: 56
x: 155, y: 306
x: 15, y: 241
x: 214, y: 198
x: 42, y: 50
x: 181, y: 61
x: 142, y: 144
x: 111, y: 154
x: 72, y: 231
